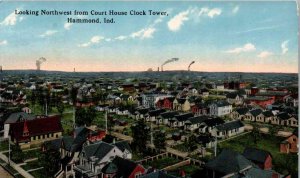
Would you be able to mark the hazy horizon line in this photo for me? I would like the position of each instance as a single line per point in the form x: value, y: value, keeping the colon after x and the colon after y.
x: 148, y: 71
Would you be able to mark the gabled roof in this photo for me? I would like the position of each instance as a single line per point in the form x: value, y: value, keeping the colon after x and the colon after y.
x: 255, y: 172
x: 230, y: 125
x: 268, y: 113
x: 228, y: 161
x: 169, y: 114
x: 122, y: 145
x: 255, y: 112
x: 125, y: 166
x: 98, y: 150
x: 283, y: 116
x: 39, y: 126
x: 19, y: 116
x: 196, y: 120
x: 156, y: 112
x: 256, y: 155
x: 183, y: 117
x: 242, y: 111
x: 143, y: 111
x: 214, y: 121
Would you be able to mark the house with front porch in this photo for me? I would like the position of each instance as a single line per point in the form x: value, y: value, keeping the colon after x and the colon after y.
x: 239, y: 113
x: 94, y: 157
x: 228, y: 129
x: 179, y: 120
x: 164, y: 117
x: 194, y: 123
x: 220, y: 108
x: 254, y: 115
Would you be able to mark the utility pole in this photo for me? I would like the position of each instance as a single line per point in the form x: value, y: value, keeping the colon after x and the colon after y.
x: 9, y: 149
x: 151, y: 133
x: 106, y: 122
x: 73, y: 116
x: 216, y: 142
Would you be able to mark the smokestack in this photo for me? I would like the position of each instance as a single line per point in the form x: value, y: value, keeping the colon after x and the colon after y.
x: 190, y: 65
x: 0, y: 69
x: 157, y: 69
x: 39, y: 63
x: 74, y: 69
x: 169, y: 61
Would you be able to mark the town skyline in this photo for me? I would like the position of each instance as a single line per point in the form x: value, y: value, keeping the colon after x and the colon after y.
x: 218, y: 36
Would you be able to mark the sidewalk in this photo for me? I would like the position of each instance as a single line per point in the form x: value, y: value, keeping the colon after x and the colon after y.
x: 15, y: 166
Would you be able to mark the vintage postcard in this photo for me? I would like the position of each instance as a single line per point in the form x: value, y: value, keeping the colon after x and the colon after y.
x: 149, y: 89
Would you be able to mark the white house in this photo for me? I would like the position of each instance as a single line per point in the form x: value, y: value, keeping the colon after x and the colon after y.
x: 228, y: 129
x: 220, y: 108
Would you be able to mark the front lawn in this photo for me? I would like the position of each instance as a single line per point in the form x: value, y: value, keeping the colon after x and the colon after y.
x: 4, y: 145
x: 161, y: 163
x: 31, y: 154
x: 31, y: 165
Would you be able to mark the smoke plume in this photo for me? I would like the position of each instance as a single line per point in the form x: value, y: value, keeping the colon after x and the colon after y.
x: 39, y: 63
x: 169, y: 61
x: 190, y: 65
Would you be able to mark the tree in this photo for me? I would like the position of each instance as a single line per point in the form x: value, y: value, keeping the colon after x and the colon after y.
x: 32, y: 99
x: 16, y: 154
x: 85, y: 116
x: 60, y: 108
x: 50, y: 160
x: 255, y: 133
x: 140, y: 134
x: 160, y: 140
x: 191, y: 143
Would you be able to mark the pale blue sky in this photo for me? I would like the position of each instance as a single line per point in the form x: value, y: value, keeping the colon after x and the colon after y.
x: 219, y: 36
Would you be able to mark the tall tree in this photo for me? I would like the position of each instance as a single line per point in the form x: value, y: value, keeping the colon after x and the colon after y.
x: 140, y: 134
x: 256, y: 133
x: 85, y: 116
x: 32, y: 99
x: 191, y: 143
x: 50, y: 160
x: 60, y: 108
x: 160, y: 140
x: 16, y: 154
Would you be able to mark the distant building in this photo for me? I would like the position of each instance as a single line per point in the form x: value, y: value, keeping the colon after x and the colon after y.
x: 220, y: 108
x: 290, y: 144
x: 36, y: 131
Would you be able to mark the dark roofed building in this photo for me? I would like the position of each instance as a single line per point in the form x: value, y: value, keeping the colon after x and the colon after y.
x: 127, y: 168
x: 226, y: 163
x: 35, y: 131
x: 229, y: 129
x: 261, y: 158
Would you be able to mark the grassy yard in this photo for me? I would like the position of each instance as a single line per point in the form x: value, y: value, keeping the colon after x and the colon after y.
x: 3, y: 145
x: 162, y: 163
x: 67, y: 123
x: 282, y: 163
x: 31, y: 154
x: 181, y: 147
x: 39, y: 173
x: 31, y: 165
